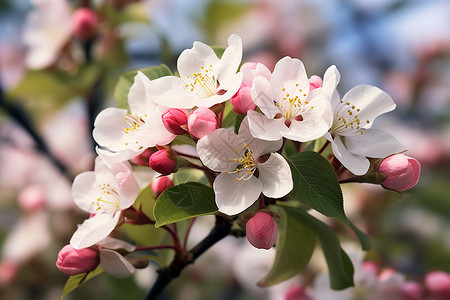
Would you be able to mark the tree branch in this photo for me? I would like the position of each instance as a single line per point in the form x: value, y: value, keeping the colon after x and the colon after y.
x: 181, y: 260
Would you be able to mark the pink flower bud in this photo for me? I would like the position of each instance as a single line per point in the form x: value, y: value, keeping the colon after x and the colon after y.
x: 163, y: 161
x: 32, y: 198
x: 262, y: 231
x: 295, y: 292
x: 242, y: 100
x: 174, y: 120
x: 402, y: 172
x: 8, y: 271
x: 411, y: 291
x: 142, y: 159
x: 370, y: 267
x: 76, y: 261
x: 201, y: 122
x: 84, y: 23
x: 161, y: 184
x: 248, y: 66
x: 438, y: 285
x: 315, y: 82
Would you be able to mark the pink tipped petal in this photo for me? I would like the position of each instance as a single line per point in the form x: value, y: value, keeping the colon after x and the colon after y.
x: 371, y: 101
x: 373, y: 143
x: 94, y: 229
x: 262, y: 96
x: 357, y: 164
x: 115, y: 264
x: 264, y: 128
x: 276, y: 177
x: 137, y: 95
x: 234, y: 196
x: 416, y: 167
x: 84, y: 189
x: 128, y: 188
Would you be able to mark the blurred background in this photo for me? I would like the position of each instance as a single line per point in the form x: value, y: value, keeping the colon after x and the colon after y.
x: 54, y: 80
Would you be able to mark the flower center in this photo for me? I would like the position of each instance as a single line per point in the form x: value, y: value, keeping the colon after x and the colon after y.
x: 108, y: 200
x: 293, y: 103
x: 133, y: 124
x: 346, y: 119
x: 246, y: 165
x: 203, y: 83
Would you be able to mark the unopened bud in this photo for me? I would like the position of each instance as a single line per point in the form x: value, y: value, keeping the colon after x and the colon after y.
x: 242, y: 101
x: 175, y: 120
x: 161, y: 184
x: 401, y: 172
x: 411, y: 290
x: 76, y: 261
x: 84, y: 23
x: 262, y: 231
x: 438, y: 285
x: 315, y: 82
x: 201, y: 122
x: 8, y: 271
x: 296, y: 292
x: 163, y: 161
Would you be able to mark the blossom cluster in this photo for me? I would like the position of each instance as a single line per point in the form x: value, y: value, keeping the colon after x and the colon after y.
x: 243, y: 166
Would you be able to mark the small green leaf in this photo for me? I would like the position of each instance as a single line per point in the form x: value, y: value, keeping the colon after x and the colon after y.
x: 294, y: 246
x: 183, y: 202
x: 339, y: 265
x: 316, y: 184
x: 126, y: 81
x: 75, y: 281
x: 229, y: 117
x: 363, y: 238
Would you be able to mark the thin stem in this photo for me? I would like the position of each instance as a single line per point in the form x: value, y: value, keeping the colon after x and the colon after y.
x: 187, y: 233
x: 261, y: 202
x: 176, y: 241
x: 324, y: 146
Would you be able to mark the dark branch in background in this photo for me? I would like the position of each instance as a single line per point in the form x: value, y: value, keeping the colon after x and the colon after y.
x: 165, y: 275
x: 19, y: 115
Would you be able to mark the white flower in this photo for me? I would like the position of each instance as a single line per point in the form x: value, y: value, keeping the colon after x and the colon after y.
x: 105, y: 192
x: 351, y: 136
x: 47, y: 30
x: 204, y: 81
x: 131, y: 133
x: 238, y: 157
x: 112, y: 261
x: 290, y: 109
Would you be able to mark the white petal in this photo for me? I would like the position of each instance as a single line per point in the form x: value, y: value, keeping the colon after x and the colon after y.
x: 276, y: 177
x: 264, y: 128
x: 153, y: 132
x: 191, y: 60
x: 231, y: 86
x: 115, y: 264
x: 234, y: 196
x: 137, y: 97
x: 217, y: 150
x: 257, y: 146
x: 374, y: 143
x: 108, y: 128
x: 230, y: 60
x: 171, y: 91
x: 356, y: 164
x: 94, y: 230
x: 115, y: 157
x: 330, y: 81
x: 307, y: 130
x: 287, y: 73
x: 115, y: 244
x: 371, y: 101
x: 262, y: 96
x: 84, y: 190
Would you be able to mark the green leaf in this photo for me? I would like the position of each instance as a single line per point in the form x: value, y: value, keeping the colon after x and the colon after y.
x: 75, y: 281
x: 183, y: 202
x: 363, y: 238
x: 339, y: 265
x: 294, y: 246
x: 126, y: 81
x: 229, y: 117
x: 237, y: 124
x: 316, y: 184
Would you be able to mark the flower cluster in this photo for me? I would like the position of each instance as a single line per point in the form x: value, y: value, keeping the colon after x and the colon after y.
x: 174, y: 122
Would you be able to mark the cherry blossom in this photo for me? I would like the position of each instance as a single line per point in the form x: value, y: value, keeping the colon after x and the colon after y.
x: 248, y: 168
x: 205, y: 80
x: 289, y: 108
